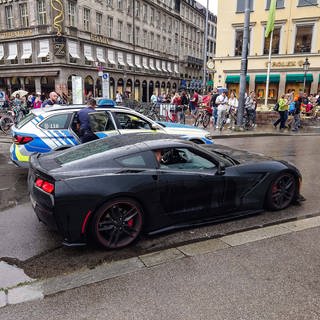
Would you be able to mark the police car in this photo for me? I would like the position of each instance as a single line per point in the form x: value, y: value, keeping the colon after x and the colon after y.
x: 54, y: 128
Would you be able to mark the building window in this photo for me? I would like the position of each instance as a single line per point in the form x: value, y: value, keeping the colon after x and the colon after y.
x: 109, y: 3
x: 120, y: 26
x: 158, y: 19
x: 275, y: 42
x: 144, y: 38
x: 145, y: 13
x: 151, y: 40
x: 240, y: 5
x: 24, y: 17
x: 99, y: 22
x: 279, y: 4
x: 9, y: 17
x: 151, y: 16
x: 303, y: 39
x: 129, y: 32
x: 158, y: 42
x: 137, y: 11
x: 86, y: 19
x: 72, y: 14
x: 109, y: 26
x: 238, y: 44
x: 42, y: 13
x: 303, y: 3
x: 129, y: 7
x: 137, y: 36
x: 120, y: 5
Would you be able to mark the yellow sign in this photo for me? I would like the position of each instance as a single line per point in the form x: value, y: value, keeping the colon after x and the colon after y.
x: 280, y: 64
x: 16, y: 34
x: 57, y: 5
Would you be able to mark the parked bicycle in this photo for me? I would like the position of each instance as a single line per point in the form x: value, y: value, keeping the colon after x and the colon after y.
x: 203, y: 117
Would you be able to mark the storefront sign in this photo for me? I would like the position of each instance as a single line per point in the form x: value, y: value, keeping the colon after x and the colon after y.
x: 281, y: 64
x: 59, y: 46
x: 99, y: 39
x: 16, y: 34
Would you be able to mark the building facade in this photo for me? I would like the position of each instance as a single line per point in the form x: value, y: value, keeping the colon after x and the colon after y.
x: 296, y: 37
x: 144, y: 46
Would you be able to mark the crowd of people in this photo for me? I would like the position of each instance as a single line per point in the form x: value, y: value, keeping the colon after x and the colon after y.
x: 290, y: 106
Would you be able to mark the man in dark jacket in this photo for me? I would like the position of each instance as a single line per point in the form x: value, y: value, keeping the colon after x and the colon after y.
x: 214, y: 106
x: 84, y: 127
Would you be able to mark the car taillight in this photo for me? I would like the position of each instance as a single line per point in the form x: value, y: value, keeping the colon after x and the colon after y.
x: 45, y: 185
x: 21, y: 139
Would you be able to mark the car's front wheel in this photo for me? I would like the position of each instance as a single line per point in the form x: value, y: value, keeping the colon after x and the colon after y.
x: 117, y: 223
x: 281, y: 192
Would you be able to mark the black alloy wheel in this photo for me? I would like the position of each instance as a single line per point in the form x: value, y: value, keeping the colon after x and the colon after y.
x: 117, y: 223
x: 6, y: 122
x: 281, y: 191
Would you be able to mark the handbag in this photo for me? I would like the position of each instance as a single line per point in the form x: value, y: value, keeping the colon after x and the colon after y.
x: 276, y: 107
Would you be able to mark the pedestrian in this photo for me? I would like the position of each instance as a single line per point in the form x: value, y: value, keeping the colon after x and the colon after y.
x: 250, y: 107
x: 193, y: 104
x: 154, y: 99
x: 118, y: 98
x: 37, y: 102
x: 283, y: 112
x: 83, y: 122
x: 223, y: 107
x: 53, y: 97
x: 214, y: 106
x: 296, y: 114
x: 233, y: 105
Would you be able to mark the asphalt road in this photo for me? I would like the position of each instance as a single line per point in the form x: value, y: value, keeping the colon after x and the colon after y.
x: 29, y: 245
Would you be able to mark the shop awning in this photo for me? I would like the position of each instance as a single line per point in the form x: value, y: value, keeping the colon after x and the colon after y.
x: 299, y: 77
x: 235, y: 79
x: 262, y: 78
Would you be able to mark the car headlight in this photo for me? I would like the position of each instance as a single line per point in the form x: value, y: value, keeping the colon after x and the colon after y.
x: 208, y: 136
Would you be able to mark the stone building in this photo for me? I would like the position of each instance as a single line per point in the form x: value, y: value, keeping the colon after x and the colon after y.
x: 296, y: 38
x: 144, y: 46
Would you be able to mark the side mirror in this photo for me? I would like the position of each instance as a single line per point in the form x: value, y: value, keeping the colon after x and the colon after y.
x: 221, y: 169
x: 154, y: 126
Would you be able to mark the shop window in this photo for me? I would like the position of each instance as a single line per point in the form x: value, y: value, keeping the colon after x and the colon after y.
x: 45, y: 59
x: 279, y: 4
x: 303, y: 39
x: 27, y: 61
x: 275, y: 42
x: 14, y: 61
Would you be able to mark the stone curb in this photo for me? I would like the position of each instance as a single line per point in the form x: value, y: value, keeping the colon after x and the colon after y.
x: 39, y: 289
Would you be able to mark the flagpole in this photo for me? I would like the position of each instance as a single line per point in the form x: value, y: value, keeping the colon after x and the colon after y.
x: 268, y: 71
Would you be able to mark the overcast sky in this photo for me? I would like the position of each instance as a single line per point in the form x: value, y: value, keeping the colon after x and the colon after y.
x: 213, y: 4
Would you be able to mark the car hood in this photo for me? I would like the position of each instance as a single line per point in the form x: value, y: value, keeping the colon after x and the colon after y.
x: 240, y: 156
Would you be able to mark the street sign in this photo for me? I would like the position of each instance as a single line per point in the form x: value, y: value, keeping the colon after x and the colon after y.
x: 105, y: 85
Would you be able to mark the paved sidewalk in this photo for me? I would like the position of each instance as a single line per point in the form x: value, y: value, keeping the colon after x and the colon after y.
x: 26, y: 289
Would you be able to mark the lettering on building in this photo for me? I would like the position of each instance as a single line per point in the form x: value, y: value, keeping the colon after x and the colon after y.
x: 99, y: 39
x: 280, y: 64
x: 59, y: 46
x: 16, y: 34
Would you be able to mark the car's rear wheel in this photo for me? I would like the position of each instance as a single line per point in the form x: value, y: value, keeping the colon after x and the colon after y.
x: 281, y: 191
x: 117, y: 223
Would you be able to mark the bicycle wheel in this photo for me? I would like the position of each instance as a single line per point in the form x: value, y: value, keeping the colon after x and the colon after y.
x: 197, y: 120
x: 206, y: 120
x: 6, y: 122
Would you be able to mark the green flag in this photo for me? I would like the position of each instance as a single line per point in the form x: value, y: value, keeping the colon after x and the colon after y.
x: 271, y: 18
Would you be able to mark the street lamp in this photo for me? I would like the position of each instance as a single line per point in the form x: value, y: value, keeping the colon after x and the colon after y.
x: 205, y: 47
x: 306, y: 66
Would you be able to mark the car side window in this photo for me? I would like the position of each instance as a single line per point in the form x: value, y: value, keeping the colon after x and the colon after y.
x: 58, y: 121
x: 132, y: 161
x: 101, y: 121
x: 131, y: 121
x: 182, y: 159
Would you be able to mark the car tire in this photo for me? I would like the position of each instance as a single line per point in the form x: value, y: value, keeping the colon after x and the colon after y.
x: 117, y: 223
x: 281, y: 192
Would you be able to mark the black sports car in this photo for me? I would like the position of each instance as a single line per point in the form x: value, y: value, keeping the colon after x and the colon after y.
x: 115, y: 188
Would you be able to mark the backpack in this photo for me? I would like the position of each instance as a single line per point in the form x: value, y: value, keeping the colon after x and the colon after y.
x: 276, y: 107
x: 292, y: 107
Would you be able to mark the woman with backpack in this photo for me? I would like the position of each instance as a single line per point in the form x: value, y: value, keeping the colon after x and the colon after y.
x: 283, y: 112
